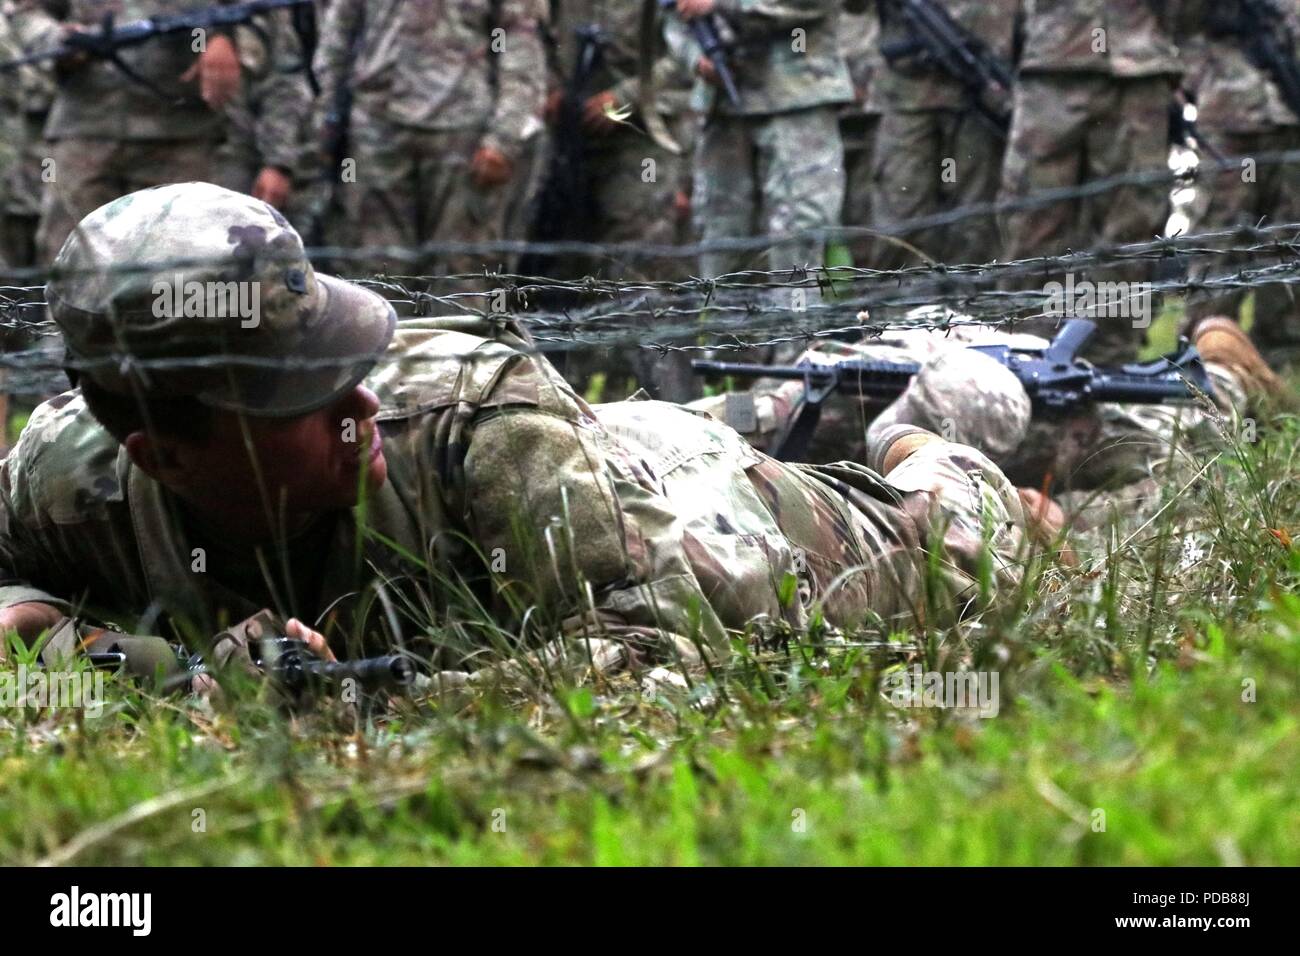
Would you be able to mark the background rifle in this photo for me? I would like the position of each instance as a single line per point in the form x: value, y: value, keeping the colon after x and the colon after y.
x: 111, y: 38
x: 564, y: 205
x: 938, y: 39
x: 1056, y: 380
x: 706, y: 34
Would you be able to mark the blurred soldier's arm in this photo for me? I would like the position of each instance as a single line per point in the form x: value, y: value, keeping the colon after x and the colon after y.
x: 520, y: 91
x: 283, y: 102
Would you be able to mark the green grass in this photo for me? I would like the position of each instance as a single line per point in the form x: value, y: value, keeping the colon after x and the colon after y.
x: 1126, y: 736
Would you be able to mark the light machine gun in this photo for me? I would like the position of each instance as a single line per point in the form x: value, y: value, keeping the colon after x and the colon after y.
x: 1056, y: 380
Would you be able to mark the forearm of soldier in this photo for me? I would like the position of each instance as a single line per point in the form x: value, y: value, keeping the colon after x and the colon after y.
x: 521, y: 91
x: 278, y: 131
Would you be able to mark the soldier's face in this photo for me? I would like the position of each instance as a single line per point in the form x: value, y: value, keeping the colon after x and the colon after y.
x: 318, y: 461
x: 292, y: 467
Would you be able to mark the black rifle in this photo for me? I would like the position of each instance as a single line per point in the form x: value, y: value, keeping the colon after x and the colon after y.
x: 1267, y: 39
x: 564, y: 207
x: 709, y: 37
x: 1056, y: 380
x: 292, y: 667
x: 936, y: 38
x: 111, y: 38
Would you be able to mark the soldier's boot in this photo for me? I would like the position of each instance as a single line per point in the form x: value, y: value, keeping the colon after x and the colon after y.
x: 1221, y: 340
x: 895, y: 445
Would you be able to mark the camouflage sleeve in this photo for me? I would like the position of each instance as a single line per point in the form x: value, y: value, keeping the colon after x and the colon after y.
x: 285, y: 102
x: 572, y: 529
x: 521, y: 76
x: 333, y: 58
x: 25, y: 563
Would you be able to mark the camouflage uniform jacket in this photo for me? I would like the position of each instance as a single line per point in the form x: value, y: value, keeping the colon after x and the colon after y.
x: 1232, y: 94
x: 474, y: 64
x: 676, y: 525
x: 786, y: 56
x: 98, y: 101
x: 1122, y: 38
x: 909, y: 85
x: 619, y: 68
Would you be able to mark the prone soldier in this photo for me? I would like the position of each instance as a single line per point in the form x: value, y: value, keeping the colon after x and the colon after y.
x: 1097, y: 459
x: 307, y: 452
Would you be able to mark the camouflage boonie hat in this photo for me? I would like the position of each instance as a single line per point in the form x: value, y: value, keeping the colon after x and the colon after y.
x: 195, y: 290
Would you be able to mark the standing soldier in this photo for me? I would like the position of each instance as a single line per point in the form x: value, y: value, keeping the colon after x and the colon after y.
x: 111, y: 132
x: 935, y: 149
x: 1242, y: 112
x: 1091, y: 101
x: 444, y: 97
x: 774, y: 163
x: 859, y: 125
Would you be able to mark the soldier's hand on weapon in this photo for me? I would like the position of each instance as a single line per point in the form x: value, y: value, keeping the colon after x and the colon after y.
x: 707, y: 71
x: 595, y: 113
x: 314, y: 640
x: 218, y: 72
x: 688, y: 9
x: 273, y: 186
x: 490, y: 167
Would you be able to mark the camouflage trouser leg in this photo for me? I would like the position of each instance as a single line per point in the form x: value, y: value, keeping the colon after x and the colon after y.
x: 90, y: 173
x: 771, y: 175
x: 865, y: 545
x: 413, y: 187
x: 1068, y: 130
x: 774, y: 174
x: 859, y: 133
x: 926, y: 162
x: 1258, y: 194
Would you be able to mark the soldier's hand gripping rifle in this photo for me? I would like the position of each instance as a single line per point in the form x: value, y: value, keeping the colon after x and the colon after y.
x: 255, y: 648
x: 1055, y: 378
x: 936, y: 38
x: 706, y: 34
x: 111, y: 38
